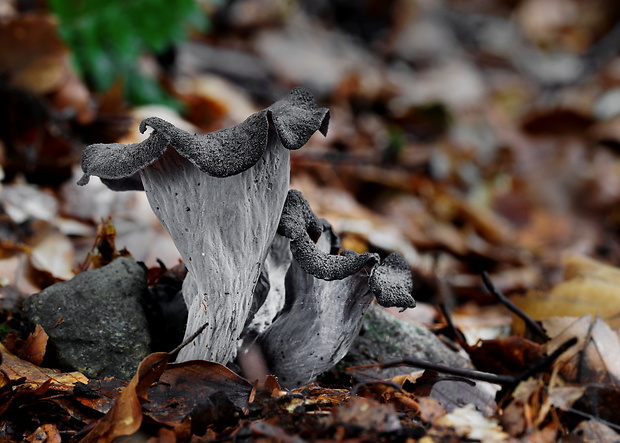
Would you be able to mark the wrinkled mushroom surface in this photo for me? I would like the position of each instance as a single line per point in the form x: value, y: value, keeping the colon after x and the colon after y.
x: 220, y: 197
x: 318, y: 323
x: 326, y: 297
x: 390, y: 280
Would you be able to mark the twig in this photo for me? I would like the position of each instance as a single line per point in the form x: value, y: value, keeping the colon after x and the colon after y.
x: 189, y: 339
x: 530, y: 323
x: 451, y: 326
x: 389, y: 383
x: 504, y: 380
x: 613, y: 426
x: 546, y: 361
x: 422, y: 364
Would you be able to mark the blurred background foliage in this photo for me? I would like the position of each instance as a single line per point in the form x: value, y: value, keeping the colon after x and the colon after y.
x: 108, y: 38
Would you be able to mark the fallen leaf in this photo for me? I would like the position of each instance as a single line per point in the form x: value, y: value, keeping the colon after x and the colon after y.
x: 590, y: 287
x: 33, y: 349
x: 47, y: 433
x: 184, y: 386
x: 125, y: 416
x: 367, y: 414
x: 35, y: 376
x: 467, y: 422
x: 594, y: 359
x: 32, y: 55
x: 508, y: 356
x: 592, y: 431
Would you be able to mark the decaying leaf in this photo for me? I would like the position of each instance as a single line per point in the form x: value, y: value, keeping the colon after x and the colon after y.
x: 511, y: 355
x: 125, y: 416
x: 595, y: 357
x: 467, y: 422
x: 32, y: 56
x: 590, y: 287
x: 33, y: 350
x: 35, y: 376
x: 368, y: 414
x: 592, y: 431
x: 185, y: 387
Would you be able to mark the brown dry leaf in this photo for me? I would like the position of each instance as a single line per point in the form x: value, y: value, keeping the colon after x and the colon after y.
x: 478, y: 322
x: 580, y: 266
x: 99, y: 395
x: 532, y: 404
x: 453, y: 393
x: 517, y: 417
x: 36, y: 376
x: 213, y: 102
x: 367, y: 414
x: 54, y: 255
x: 125, y: 417
x: 388, y: 393
x: 557, y: 121
x: 594, y: 359
x: 430, y: 409
x: 270, y: 432
x: 33, y: 349
x: 32, y: 56
x: 591, y: 287
x: 72, y: 95
x: 14, y: 272
x: 184, y: 386
x: 592, y: 431
x: 104, y: 249
x: 508, y: 356
x: 47, y: 433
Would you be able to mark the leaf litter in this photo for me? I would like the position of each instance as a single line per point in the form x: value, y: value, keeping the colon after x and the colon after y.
x: 499, y: 172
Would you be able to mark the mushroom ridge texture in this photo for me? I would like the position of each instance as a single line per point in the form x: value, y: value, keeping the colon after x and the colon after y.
x: 222, y: 197
x: 219, y: 196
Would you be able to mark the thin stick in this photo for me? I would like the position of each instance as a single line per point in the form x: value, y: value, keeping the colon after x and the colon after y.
x: 504, y: 380
x: 422, y: 364
x: 450, y: 323
x: 530, y: 323
x: 546, y: 361
x: 189, y: 339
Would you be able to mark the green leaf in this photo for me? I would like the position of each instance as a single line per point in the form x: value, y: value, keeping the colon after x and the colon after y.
x: 107, y: 38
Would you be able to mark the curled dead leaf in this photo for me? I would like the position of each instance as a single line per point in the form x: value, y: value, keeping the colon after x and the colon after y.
x: 33, y: 349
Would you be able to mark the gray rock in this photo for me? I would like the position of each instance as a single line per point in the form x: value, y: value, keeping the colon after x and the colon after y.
x: 95, y: 321
x: 383, y: 337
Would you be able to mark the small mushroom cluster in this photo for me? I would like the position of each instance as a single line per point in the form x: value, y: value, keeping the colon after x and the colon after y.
x: 261, y: 265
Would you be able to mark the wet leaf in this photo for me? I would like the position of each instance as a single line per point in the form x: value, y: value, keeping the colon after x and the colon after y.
x: 33, y: 350
x: 185, y: 386
x: 125, y: 416
x: 33, y: 376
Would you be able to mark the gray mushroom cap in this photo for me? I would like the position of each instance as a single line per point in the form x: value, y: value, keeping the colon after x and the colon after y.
x: 221, y: 153
x: 219, y: 196
x: 390, y: 281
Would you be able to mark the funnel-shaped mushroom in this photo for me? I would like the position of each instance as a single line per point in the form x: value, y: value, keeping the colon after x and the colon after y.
x: 220, y: 197
x: 326, y: 296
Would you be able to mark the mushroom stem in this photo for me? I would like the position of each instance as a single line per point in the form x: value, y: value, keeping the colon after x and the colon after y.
x: 223, y: 228
x: 318, y: 323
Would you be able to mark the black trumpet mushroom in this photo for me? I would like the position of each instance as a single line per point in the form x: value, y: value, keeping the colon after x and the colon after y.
x: 223, y: 197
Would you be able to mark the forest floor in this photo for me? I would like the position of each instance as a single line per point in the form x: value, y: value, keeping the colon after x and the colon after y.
x: 480, y: 140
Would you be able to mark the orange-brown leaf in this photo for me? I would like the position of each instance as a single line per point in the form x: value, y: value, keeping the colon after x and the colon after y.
x: 35, y: 346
